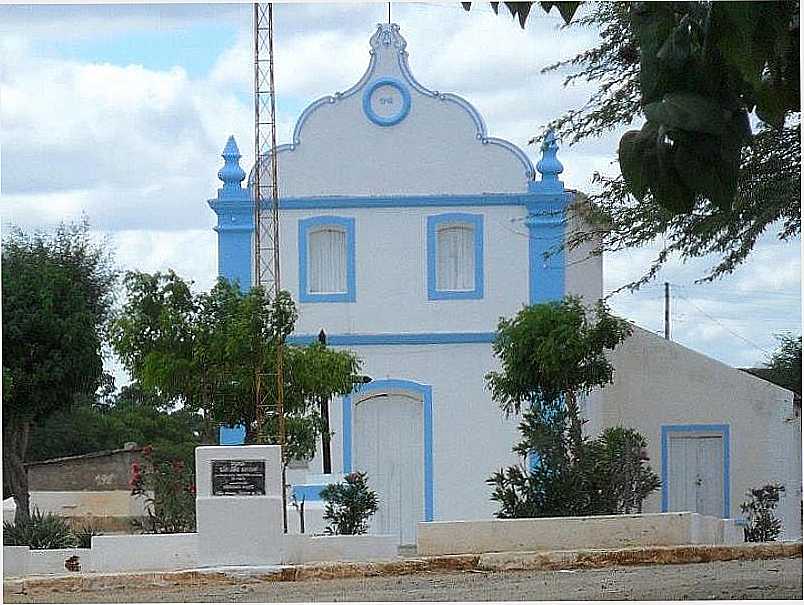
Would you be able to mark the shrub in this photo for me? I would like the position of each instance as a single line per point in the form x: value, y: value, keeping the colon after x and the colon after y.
x: 761, y: 524
x: 567, y: 477
x: 167, y: 484
x: 349, y: 505
x: 83, y: 535
x: 624, y: 479
x: 41, y: 532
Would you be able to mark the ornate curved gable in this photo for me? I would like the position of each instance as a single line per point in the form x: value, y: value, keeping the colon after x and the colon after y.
x: 389, y: 135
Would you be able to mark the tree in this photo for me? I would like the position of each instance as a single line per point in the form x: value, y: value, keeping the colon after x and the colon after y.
x: 57, y: 292
x: 694, y: 173
x: 551, y: 355
x: 785, y: 364
x: 202, y: 351
x: 132, y: 415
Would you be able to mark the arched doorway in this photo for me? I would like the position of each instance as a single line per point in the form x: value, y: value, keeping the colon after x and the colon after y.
x: 388, y: 435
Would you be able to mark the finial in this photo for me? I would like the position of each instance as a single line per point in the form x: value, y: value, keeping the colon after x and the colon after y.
x: 549, y: 166
x: 231, y: 174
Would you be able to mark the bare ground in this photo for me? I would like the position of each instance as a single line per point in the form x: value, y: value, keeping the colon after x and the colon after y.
x: 764, y: 579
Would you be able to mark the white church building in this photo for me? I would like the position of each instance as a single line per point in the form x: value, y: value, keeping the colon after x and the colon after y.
x: 407, y: 231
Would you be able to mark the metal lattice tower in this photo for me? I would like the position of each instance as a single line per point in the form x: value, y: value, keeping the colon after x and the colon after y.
x: 266, y: 216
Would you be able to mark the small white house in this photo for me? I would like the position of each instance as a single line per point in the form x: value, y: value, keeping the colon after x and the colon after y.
x: 407, y: 231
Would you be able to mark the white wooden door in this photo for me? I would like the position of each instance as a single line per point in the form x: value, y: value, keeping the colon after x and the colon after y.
x: 388, y: 444
x: 696, y: 474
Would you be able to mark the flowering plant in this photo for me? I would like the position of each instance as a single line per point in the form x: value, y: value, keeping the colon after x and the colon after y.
x: 167, y: 484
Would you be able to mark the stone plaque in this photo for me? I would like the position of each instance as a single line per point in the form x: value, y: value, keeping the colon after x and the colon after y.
x: 238, y: 477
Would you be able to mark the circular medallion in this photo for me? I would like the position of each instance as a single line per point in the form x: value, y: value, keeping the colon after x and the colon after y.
x: 386, y: 102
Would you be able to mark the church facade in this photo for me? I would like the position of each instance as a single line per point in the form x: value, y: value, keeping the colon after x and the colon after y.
x: 407, y: 231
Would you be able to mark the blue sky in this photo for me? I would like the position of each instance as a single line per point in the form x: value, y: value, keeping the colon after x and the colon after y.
x: 121, y: 112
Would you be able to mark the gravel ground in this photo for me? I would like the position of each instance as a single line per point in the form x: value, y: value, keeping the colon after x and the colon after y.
x: 774, y: 579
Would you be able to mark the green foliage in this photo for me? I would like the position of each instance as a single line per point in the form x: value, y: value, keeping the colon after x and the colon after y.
x: 551, y: 355
x: 83, y: 535
x: 166, y: 481
x: 761, y: 524
x: 701, y: 181
x: 40, y: 532
x: 785, y: 363
x: 564, y: 477
x: 553, y: 351
x: 129, y: 416
x: 56, y: 296
x: 349, y: 505
x: 202, y: 351
x: 622, y: 476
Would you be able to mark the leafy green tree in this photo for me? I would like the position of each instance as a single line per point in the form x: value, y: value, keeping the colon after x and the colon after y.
x: 202, y: 351
x: 57, y: 292
x: 131, y: 416
x: 551, y: 355
x: 695, y: 173
x: 785, y: 364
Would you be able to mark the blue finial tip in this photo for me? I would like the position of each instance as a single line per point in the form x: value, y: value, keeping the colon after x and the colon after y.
x: 231, y: 150
x: 231, y: 174
x: 549, y: 166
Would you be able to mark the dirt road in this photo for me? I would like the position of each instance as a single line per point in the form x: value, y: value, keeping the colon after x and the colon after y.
x: 773, y: 579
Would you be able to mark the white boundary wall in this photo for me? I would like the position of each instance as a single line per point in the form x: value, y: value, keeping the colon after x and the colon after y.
x: 567, y: 533
x: 144, y: 552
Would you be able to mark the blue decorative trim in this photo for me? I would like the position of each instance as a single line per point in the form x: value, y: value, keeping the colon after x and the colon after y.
x: 433, y: 223
x: 426, y: 393
x: 387, y: 38
x: 305, y: 226
x: 723, y: 429
x: 420, y: 338
x: 232, y: 435
x: 399, y: 115
x: 546, y: 262
x: 310, y: 493
x: 408, y: 201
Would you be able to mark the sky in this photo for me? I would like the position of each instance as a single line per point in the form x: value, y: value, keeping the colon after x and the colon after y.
x: 120, y: 113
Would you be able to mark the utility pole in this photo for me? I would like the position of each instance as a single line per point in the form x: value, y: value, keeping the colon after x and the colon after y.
x: 667, y: 310
x: 266, y: 224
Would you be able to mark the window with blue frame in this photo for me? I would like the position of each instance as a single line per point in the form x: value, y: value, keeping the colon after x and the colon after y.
x: 455, y: 256
x: 327, y: 259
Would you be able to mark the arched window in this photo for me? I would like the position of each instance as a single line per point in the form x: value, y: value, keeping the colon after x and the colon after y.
x: 327, y: 259
x: 327, y: 254
x: 454, y: 256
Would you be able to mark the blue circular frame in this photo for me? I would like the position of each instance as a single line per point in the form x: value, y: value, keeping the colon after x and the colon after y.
x: 391, y: 120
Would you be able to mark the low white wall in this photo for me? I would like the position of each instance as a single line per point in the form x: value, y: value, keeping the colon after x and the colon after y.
x: 43, y: 562
x: 145, y: 552
x: 314, y: 523
x: 16, y: 560
x: 566, y: 533
x: 306, y: 549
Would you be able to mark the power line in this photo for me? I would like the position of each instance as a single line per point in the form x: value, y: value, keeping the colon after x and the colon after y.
x: 725, y: 327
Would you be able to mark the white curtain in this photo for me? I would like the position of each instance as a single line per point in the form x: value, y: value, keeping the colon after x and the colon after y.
x: 327, y: 260
x: 456, y: 258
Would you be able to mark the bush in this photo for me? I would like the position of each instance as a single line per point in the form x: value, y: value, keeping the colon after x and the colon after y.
x: 349, y: 505
x: 761, y: 524
x: 569, y: 477
x: 624, y: 479
x: 167, y: 483
x: 40, y: 532
x: 83, y: 535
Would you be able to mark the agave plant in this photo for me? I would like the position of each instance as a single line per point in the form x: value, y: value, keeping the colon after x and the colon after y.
x: 43, y: 531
